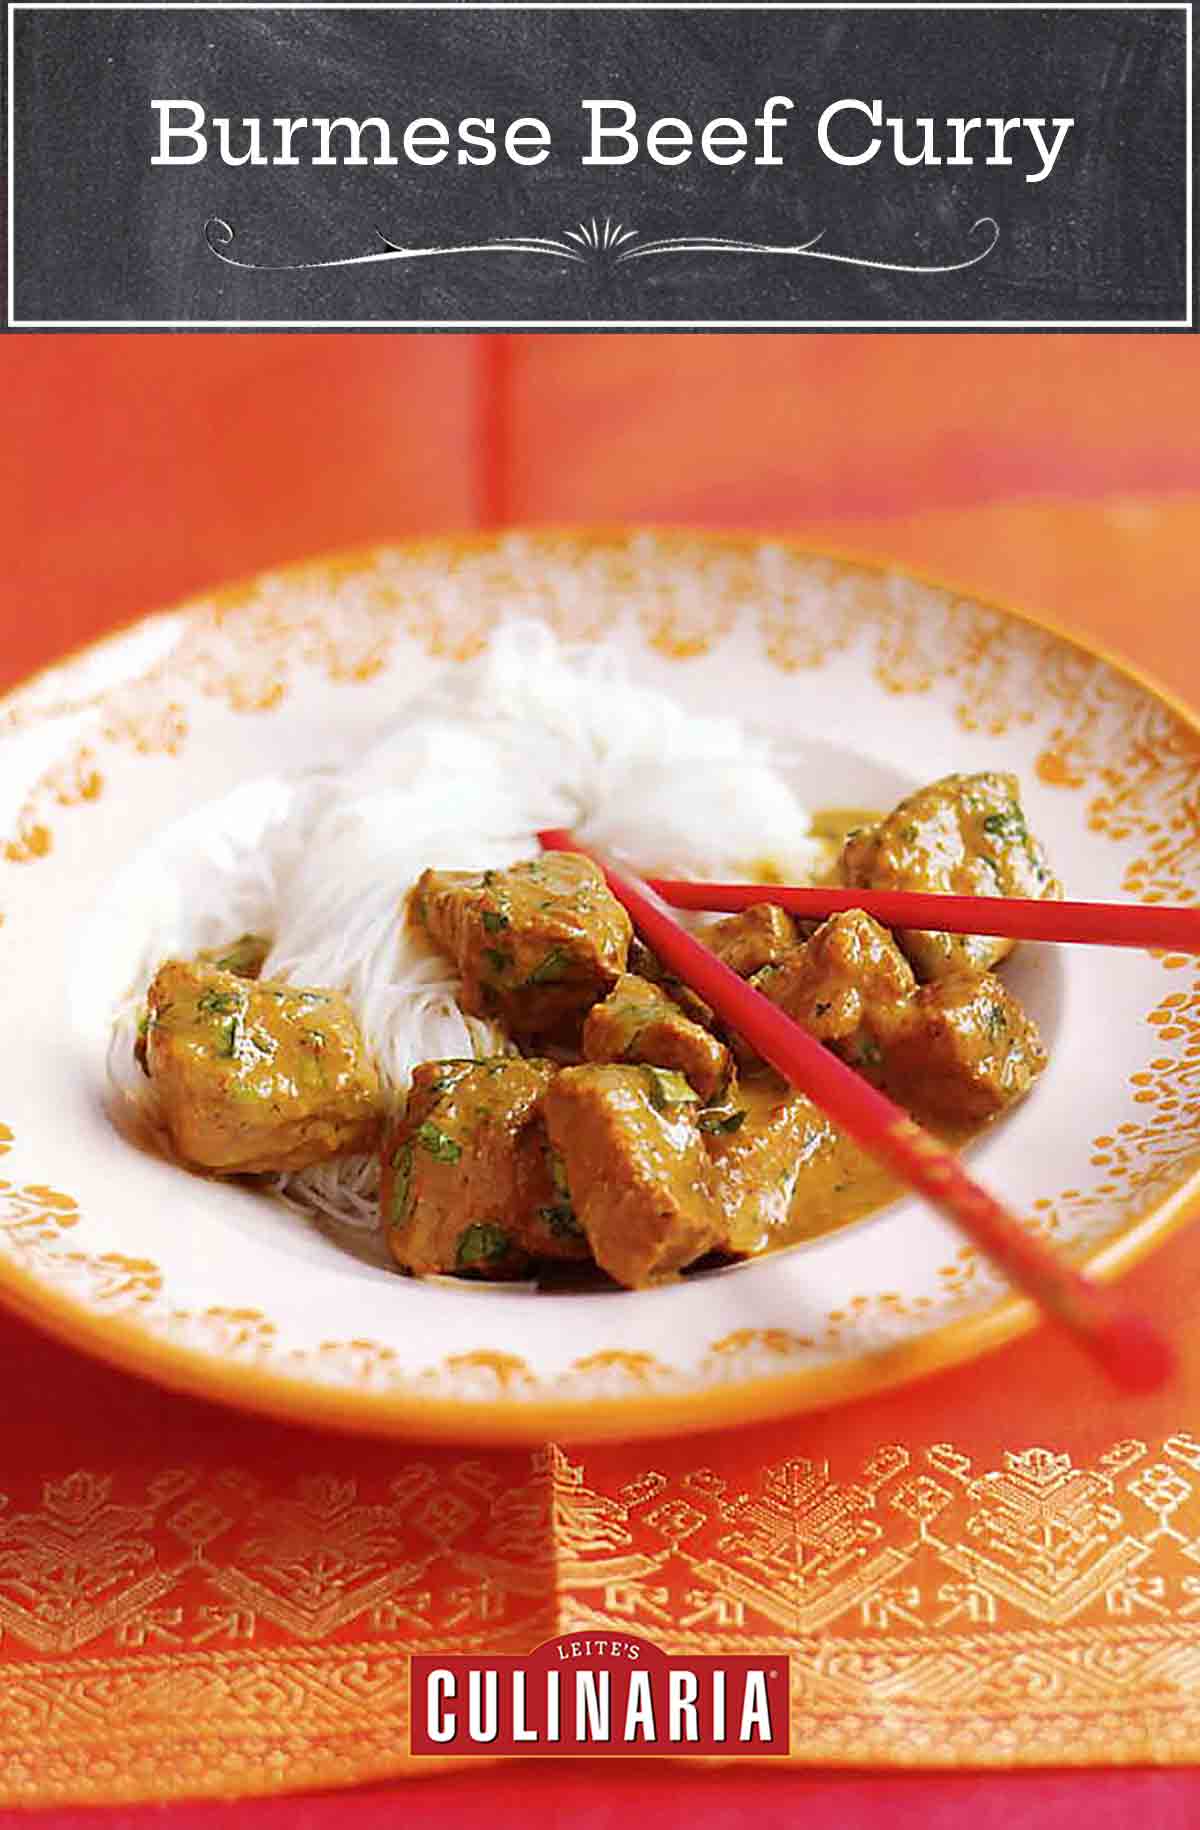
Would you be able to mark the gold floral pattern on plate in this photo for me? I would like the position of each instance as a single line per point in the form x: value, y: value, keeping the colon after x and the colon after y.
x: 1129, y: 762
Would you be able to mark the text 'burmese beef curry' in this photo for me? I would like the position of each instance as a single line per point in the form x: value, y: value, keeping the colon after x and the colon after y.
x: 624, y: 1129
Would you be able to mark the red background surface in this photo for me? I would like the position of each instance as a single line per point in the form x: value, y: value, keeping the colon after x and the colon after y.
x: 137, y: 469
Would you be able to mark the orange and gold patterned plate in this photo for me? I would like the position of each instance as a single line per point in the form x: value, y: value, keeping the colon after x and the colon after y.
x: 873, y: 681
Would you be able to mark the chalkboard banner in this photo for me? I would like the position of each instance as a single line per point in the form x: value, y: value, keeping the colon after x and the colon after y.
x: 568, y: 166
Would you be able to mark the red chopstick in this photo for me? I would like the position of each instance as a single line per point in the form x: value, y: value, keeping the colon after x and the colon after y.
x: 1132, y: 1353
x: 1097, y: 924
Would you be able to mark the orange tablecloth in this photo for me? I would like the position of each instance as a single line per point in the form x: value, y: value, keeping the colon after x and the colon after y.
x: 1000, y: 1566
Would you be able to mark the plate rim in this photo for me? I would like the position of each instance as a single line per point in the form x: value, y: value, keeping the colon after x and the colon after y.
x: 203, y: 1373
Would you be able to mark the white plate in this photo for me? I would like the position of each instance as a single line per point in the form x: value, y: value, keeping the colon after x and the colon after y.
x: 874, y: 681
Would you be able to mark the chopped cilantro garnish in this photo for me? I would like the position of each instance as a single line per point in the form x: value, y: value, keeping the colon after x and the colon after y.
x: 481, y: 1243
x: 552, y: 968
x: 722, y: 1122
x: 561, y: 1220
x: 442, y: 1149
x: 1007, y: 825
x: 667, y: 1088
x: 245, y: 956
x: 558, y: 1172
x: 402, y: 1164
x: 494, y: 921
x: 635, y: 1018
x: 218, y: 1003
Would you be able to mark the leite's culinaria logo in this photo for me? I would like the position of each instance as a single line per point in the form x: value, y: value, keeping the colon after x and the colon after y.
x: 599, y: 1694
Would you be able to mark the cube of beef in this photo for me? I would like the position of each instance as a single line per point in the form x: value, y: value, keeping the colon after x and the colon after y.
x: 762, y: 935
x: 966, y: 1050
x: 849, y: 986
x: 468, y: 1181
x: 636, y: 1167
x: 638, y: 1022
x: 535, y: 945
x: 964, y: 835
x: 647, y: 965
x: 255, y: 1076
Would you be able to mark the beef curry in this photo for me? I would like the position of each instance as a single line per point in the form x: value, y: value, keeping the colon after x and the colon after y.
x: 624, y: 1130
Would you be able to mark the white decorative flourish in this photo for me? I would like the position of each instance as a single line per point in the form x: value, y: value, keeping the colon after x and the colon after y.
x: 219, y: 235
x: 727, y: 244
x: 600, y: 241
x: 592, y: 243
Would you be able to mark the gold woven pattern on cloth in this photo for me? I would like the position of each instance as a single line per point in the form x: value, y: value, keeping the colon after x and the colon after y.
x: 216, y: 1632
